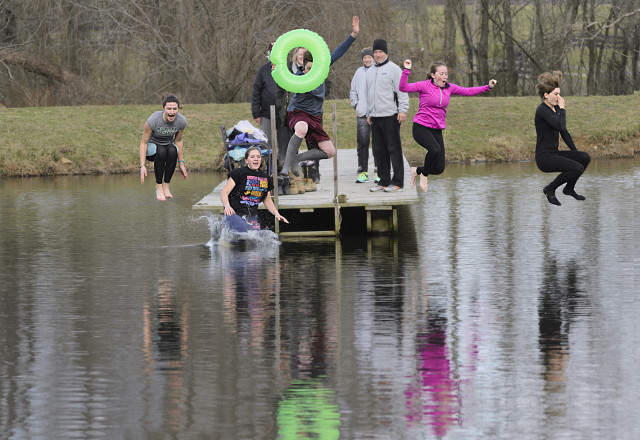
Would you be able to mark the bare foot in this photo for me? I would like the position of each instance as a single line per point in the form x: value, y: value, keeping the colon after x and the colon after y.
x: 167, y: 193
x: 160, y: 193
x: 414, y: 175
x: 423, y: 183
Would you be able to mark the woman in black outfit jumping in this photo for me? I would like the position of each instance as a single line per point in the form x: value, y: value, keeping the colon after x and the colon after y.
x: 551, y: 120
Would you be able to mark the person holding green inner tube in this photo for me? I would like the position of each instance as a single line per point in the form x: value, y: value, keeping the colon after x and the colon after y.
x: 304, y: 117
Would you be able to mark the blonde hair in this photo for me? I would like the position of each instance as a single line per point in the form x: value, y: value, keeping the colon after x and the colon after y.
x: 548, y: 82
x: 294, y: 53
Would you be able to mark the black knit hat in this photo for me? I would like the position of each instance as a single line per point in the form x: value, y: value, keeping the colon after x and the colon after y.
x: 367, y: 51
x: 380, y: 44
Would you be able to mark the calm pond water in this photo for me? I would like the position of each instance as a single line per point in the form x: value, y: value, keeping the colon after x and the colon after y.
x: 493, y: 314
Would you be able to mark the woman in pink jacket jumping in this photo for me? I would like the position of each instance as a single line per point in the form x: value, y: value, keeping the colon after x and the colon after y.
x: 429, y: 121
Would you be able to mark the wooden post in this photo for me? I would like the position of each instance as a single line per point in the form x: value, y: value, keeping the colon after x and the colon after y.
x: 274, y: 163
x: 278, y: 330
x: 336, y: 206
x: 338, y: 290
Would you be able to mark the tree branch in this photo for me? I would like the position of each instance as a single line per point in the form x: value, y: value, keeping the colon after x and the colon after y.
x: 524, y: 51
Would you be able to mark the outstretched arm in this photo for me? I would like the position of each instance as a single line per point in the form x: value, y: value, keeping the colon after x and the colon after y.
x: 271, y: 207
x: 471, y: 91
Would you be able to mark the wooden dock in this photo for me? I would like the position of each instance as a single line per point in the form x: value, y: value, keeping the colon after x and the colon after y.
x: 338, y: 202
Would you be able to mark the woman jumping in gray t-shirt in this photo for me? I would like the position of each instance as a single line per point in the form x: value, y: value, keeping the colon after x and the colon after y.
x: 162, y: 144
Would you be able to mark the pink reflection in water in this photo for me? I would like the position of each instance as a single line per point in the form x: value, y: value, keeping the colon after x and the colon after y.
x: 433, y: 397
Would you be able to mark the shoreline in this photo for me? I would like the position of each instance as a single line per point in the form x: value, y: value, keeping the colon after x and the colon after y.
x: 415, y: 159
x: 99, y: 140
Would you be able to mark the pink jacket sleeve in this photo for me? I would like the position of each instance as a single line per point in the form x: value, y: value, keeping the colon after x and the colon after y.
x: 405, y: 86
x: 467, y: 91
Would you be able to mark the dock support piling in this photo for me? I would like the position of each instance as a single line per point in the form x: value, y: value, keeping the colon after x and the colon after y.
x: 336, y: 206
x: 274, y: 163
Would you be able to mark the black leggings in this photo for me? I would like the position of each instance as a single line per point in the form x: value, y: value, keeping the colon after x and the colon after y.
x: 570, y: 163
x: 164, y: 162
x: 430, y: 139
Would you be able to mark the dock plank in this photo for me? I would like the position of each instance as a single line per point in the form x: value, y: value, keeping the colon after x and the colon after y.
x: 357, y: 194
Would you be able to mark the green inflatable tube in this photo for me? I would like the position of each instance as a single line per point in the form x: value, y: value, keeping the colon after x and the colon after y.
x: 321, y: 60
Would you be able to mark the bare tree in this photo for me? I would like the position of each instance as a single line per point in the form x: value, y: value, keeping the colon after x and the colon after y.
x: 467, y: 36
x: 510, y: 69
x: 102, y: 51
x: 483, y: 43
x: 449, y: 45
x: 635, y: 58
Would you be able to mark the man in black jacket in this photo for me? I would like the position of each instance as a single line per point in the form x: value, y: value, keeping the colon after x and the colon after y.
x: 262, y: 98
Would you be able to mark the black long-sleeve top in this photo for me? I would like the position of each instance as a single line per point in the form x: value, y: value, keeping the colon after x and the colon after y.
x: 264, y: 92
x: 548, y: 125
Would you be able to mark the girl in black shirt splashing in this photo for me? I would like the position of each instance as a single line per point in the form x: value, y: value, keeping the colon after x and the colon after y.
x: 243, y: 192
x: 551, y: 120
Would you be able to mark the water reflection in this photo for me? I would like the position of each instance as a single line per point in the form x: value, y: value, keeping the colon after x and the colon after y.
x: 433, y: 395
x: 165, y: 320
x: 166, y: 336
x: 488, y: 316
x: 308, y: 409
x: 562, y: 302
x: 309, y: 329
x: 281, y: 305
x: 248, y: 277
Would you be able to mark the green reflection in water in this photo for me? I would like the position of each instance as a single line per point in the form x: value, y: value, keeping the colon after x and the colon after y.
x: 307, y: 411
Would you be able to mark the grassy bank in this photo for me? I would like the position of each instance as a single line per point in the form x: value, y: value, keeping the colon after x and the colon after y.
x: 105, y: 139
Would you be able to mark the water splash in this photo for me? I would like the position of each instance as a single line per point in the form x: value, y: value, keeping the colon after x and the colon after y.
x: 221, y: 234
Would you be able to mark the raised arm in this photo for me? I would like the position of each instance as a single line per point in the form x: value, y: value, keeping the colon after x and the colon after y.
x: 405, y: 86
x: 344, y: 46
x: 403, y: 97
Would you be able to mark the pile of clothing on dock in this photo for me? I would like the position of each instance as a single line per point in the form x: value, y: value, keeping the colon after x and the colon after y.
x: 240, y: 137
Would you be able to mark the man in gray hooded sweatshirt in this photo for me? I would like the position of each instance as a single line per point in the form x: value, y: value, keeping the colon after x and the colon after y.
x: 358, y: 97
x: 387, y: 108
